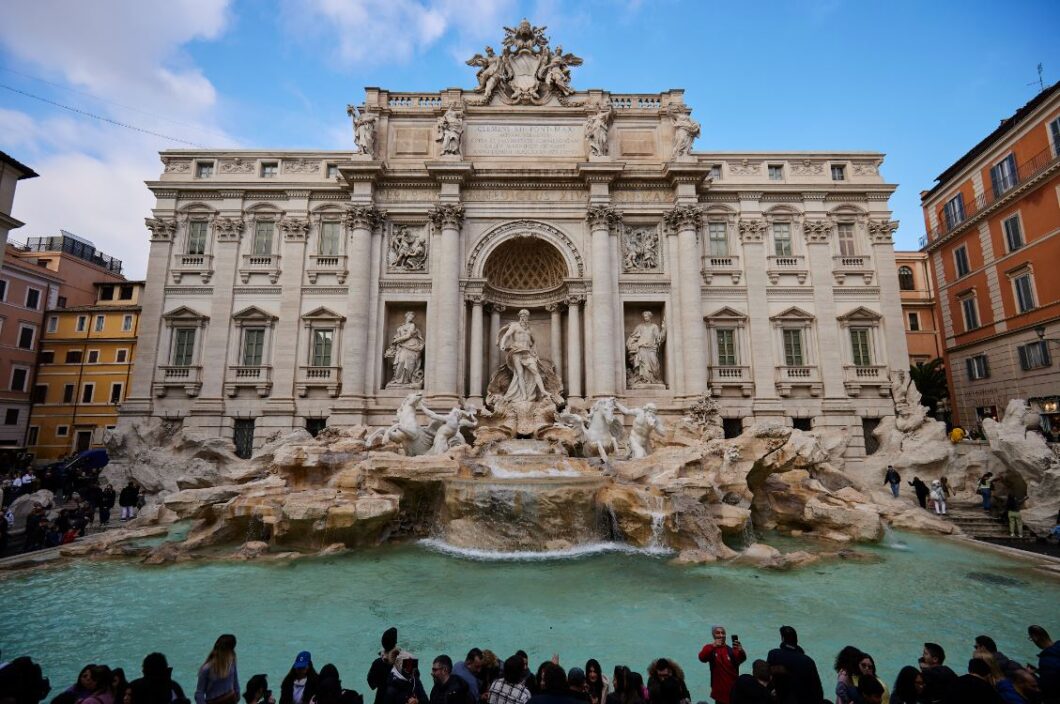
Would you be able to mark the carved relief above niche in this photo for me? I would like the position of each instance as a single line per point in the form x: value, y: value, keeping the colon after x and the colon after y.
x: 407, y: 248
x: 640, y: 248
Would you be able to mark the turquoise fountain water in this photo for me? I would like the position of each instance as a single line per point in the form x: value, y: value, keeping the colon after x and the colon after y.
x: 619, y: 607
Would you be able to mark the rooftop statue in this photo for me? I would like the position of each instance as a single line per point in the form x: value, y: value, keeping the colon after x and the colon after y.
x: 527, y: 71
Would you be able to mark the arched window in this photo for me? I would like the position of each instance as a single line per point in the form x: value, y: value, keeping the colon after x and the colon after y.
x: 905, y: 278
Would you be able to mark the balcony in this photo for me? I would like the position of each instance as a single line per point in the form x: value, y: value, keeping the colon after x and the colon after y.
x: 855, y: 265
x: 334, y: 264
x: 722, y: 378
x: 310, y: 377
x: 794, y: 265
x: 1029, y: 171
x: 728, y: 265
x: 258, y: 378
x: 189, y: 378
x: 200, y: 265
x: 855, y: 377
x: 789, y: 378
x: 267, y: 264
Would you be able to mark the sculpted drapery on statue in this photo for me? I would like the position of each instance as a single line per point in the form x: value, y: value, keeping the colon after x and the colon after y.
x: 527, y: 71
x: 363, y: 130
x: 685, y: 131
x: 596, y: 128
x: 450, y: 129
x: 405, y: 353
x: 521, y: 358
x: 644, y: 347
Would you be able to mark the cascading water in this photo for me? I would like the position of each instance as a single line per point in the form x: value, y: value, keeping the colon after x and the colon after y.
x: 656, y: 506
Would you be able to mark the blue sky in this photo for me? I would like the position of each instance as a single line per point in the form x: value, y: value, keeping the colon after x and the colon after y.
x: 921, y: 82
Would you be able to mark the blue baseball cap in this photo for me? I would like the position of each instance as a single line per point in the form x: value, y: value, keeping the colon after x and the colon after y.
x: 303, y: 660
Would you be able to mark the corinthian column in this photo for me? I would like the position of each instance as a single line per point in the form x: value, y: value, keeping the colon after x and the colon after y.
x: 556, y: 338
x: 362, y: 222
x: 495, y: 330
x: 601, y: 218
x: 475, y: 371
x: 445, y: 296
x: 685, y: 220
x: 574, y: 347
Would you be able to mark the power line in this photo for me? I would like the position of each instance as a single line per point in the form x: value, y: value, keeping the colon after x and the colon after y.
x: 99, y: 117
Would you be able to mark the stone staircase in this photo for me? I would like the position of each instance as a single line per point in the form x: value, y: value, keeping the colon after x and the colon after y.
x: 977, y: 523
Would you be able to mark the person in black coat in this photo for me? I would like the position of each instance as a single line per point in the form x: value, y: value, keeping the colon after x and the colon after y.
x: 107, y: 498
x: 300, y: 684
x: 127, y: 499
x: 379, y: 672
x: 794, y: 673
x: 754, y: 688
x: 404, y: 686
x: 975, y: 687
x: 448, y: 689
x: 157, y: 685
x: 921, y: 490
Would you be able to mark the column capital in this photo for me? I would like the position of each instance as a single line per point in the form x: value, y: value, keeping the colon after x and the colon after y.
x: 683, y: 217
x: 294, y: 229
x: 552, y: 307
x: 574, y: 300
x: 364, y: 216
x: 162, y: 229
x: 447, y: 215
x: 498, y: 307
x: 880, y: 231
x: 752, y: 229
x: 817, y: 231
x: 475, y: 298
x: 602, y: 217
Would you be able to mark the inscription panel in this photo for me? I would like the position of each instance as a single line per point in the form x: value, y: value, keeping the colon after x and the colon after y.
x: 526, y: 195
x: 525, y: 140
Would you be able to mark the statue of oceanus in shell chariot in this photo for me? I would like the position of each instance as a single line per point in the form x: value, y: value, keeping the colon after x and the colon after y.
x: 527, y: 71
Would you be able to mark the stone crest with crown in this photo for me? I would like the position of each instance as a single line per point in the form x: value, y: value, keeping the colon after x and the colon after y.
x: 527, y: 71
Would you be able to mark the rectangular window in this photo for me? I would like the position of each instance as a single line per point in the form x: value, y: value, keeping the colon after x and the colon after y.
x: 1013, y: 233
x: 11, y: 416
x: 19, y: 375
x: 47, y: 356
x: 782, y: 239
x: 1054, y: 128
x: 32, y: 298
x: 954, y: 211
x: 859, y: 346
x: 115, y: 393
x: 971, y: 313
x: 776, y: 172
x: 82, y: 323
x: 322, y: 340
x: 1024, y: 292
x: 329, y: 238
x: 846, y: 239
x: 839, y: 172
x: 715, y: 172
x: 73, y: 356
x: 53, y: 323
x: 126, y: 323
x: 34, y: 434
x: 61, y: 431
x: 914, y: 321
x: 793, y: 347
x: 243, y: 437
x: 121, y: 356
x: 183, y: 347
x: 977, y: 367
x: 26, y: 335
x: 719, y: 240
x: 3, y: 290
x: 726, y: 347
x: 197, y: 236
x: 1034, y: 355
x: 332, y: 171
x: 203, y: 169
x: 269, y: 169
x: 93, y: 357
x: 68, y: 393
x: 87, y: 392
x: 40, y: 393
x: 106, y: 293
x: 263, y: 233
x: 126, y: 293
x: 100, y: 321
x: 253, y: 346
x: 61, y: 302
x: 1003, y: 176
x: 960, y: 260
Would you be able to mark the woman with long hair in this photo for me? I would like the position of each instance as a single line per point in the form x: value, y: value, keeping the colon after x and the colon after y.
x: 99, y: 685
x: 218, y: 678
x: 908, y: 687
x: 867, y: 668
x: 595, y: 682
x: 847, y: 668
x: 619, y: 682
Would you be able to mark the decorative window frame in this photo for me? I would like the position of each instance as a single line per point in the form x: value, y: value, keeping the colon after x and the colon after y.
x: 1018, y: 216
x: 267, y: 264
x: 202, y: 162
x: 727, y: 264
x: 121, y: 393
x: 252, y: 317
x: 53, y: 323
x: 89, y: 354
x: 875, y: 373
x: 727, y: 318
x: 191, y: 380
x: 27, y: 378
x: 1024, y: 269
x: 116, y: 353
x: 956, y: 264
x: 324, y: 319
x: 188, y: 264
x: 961, y: 298
x: 33, y: 341
x: 92, y: 395
x: 40, y: 298
x: 795, y: 317
x: 131, y: 319
x: 336, y: 264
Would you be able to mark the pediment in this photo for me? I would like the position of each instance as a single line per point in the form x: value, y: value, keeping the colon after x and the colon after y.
x: 323, y: 313
x: 254, y: 313
x: 860, y: 314
x: 793, y: 313
x: 184, y: 313
x: 727, y: 313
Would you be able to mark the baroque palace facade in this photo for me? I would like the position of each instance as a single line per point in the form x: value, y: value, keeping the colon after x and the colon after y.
x: 290, y: 289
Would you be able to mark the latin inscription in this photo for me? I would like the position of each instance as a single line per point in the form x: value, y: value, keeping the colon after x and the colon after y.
x: 528, y: 195
x: 525, y: 140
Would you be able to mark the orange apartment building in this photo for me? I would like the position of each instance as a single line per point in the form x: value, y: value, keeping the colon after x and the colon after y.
x: 923, y: 335
x: 993, y: 236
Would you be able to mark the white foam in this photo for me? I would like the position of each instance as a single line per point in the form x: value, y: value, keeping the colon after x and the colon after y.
x: 571, y: 553
x: 502, y: 473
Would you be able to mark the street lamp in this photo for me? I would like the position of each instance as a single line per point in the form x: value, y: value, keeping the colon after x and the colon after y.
x: 1040, y: 332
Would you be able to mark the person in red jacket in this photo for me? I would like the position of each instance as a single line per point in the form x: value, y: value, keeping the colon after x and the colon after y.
x: 724, y: 664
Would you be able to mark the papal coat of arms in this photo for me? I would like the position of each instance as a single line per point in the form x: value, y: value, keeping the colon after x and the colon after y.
x: 527, y: 71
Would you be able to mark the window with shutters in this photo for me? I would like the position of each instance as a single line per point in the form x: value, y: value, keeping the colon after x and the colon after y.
x: 329, y: 238
x: 126, y: 323
x: 100, y: 321
x: 793, y: 356
x: 197, y: 236
x: 115, y: 392
x: 846, y: 239
x: 971, y: 313
x: 87, y: 392
x: 53, y: 323
x: 183, y: 347
x: 859, y: 347
x: 1003, y: 175
x: 726, y: 338
x: 978, y: 367
x: 914, y: 321
x: 1034, y: 355
x: 82, y: 323
x: 1023, y: 285
x: 1054, y: 130
x: 782, y: 239
x: 321, y: 352
x: 960, y: 261
x: 253, y: 346
x: 1013, y: 233
x: 905, y: 279
x: 953, y: 211
x: 718, y: 239
x: 263, y: 236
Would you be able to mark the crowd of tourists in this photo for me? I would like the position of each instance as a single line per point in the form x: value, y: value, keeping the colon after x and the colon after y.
x: 786, y: 675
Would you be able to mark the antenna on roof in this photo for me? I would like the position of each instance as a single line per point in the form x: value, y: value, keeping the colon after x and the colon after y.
x: 1040, y: 81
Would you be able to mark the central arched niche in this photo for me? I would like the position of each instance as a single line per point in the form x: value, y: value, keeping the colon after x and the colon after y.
x: 525, y: 265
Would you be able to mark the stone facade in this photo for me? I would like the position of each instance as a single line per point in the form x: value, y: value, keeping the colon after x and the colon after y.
x: 277, y: 281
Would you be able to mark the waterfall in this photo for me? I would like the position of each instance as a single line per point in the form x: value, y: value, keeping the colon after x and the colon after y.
x: 656, y: 506
x: 891, y: 540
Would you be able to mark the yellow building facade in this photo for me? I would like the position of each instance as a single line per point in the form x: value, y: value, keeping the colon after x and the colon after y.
x: 83, y: 372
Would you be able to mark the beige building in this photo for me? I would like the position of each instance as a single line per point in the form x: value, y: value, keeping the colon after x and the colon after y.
x: 302, y: 288
x: 923, y: 334
x: 11, y: 172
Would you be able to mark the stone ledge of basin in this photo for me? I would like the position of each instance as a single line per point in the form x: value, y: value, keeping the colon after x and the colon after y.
x: 1049, y: 563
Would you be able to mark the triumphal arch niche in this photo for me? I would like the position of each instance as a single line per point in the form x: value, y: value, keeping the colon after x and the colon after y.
x: 519, y: 245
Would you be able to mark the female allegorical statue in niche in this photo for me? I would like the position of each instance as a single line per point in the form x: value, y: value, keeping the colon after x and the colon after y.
x: 643, y: 347
x: 405, y: 351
